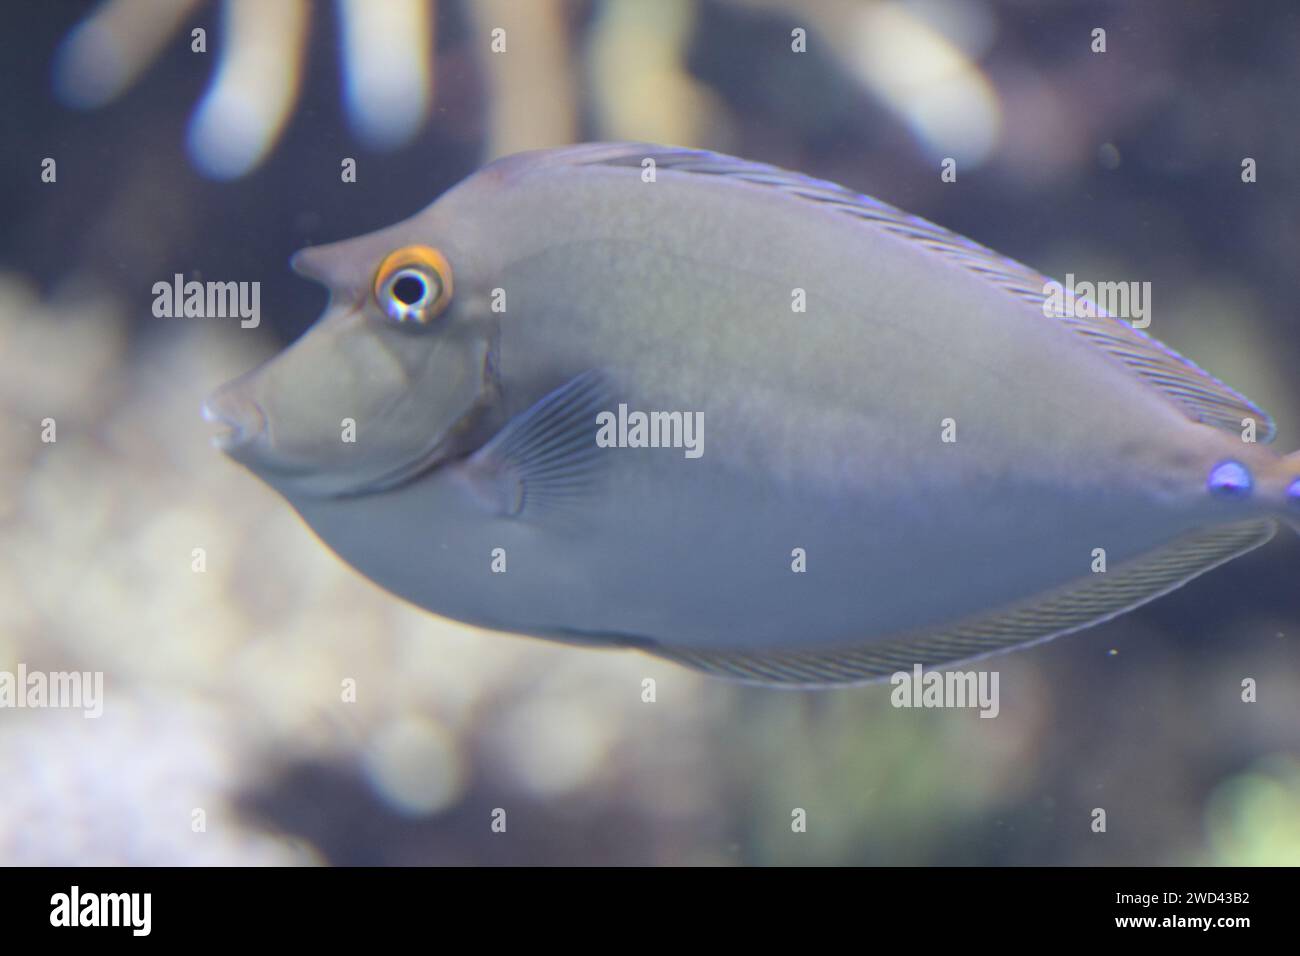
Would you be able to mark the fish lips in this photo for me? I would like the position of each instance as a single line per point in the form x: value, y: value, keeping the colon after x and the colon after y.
x: 242, y: 418
x: 245, y: 436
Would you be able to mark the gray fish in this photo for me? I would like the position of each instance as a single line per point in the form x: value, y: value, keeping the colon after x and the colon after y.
x: 576, y: 398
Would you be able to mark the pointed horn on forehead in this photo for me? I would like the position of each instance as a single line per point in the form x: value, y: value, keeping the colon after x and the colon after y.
x: 314, y: 262
x: 348, y: 266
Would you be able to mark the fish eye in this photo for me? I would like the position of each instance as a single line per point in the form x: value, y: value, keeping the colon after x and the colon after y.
x: 413, y: 285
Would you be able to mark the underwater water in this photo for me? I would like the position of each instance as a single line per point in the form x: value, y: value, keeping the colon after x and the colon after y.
x: 263, y: 703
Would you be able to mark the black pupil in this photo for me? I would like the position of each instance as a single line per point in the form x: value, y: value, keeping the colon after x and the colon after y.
x: 408, y: 290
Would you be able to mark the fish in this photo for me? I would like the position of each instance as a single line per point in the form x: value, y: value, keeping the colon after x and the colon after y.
x: 904, y: 458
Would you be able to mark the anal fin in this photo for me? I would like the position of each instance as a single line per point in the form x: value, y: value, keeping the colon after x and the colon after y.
x: 1059, y: 611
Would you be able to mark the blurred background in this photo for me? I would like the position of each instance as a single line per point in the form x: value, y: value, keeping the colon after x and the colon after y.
x: 223, y: 688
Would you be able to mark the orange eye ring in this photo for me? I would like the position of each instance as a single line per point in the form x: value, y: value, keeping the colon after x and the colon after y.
x: 413, y: 285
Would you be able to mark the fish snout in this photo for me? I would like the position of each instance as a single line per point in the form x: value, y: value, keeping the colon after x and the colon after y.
x: 242, y: 416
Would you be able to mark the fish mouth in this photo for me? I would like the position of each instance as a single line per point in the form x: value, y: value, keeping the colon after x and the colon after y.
x: 242, y: 420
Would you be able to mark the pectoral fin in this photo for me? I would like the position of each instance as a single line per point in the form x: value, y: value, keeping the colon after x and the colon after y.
x: 546, y: 458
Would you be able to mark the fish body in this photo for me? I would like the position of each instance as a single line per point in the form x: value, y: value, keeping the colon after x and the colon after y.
x: 899, y: 457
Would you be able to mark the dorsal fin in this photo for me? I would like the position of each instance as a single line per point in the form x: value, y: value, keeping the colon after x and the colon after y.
x: 1089, y: 601
x: 1199, y: 395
